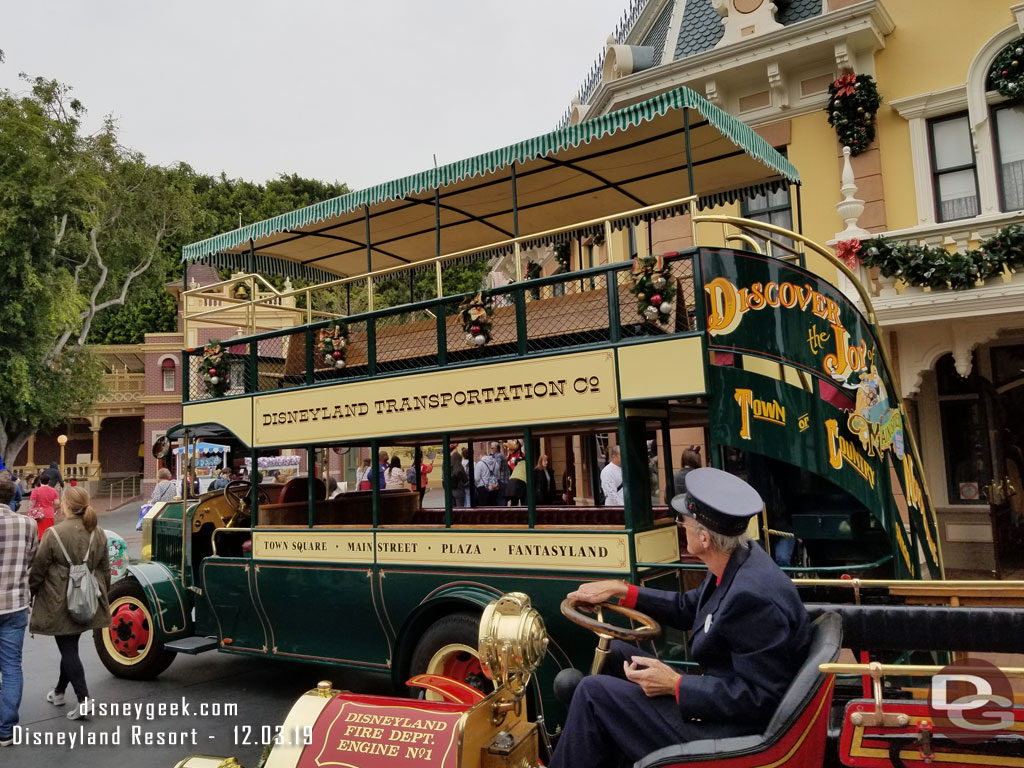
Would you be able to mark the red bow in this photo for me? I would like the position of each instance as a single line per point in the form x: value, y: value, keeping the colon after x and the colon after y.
x: 846, y: 84
x: 848, y: 252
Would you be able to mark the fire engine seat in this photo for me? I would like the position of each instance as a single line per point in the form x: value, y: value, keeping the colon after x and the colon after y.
x: 800, y: 722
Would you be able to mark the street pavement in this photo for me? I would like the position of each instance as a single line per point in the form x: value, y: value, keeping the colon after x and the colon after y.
x: 262, y: 691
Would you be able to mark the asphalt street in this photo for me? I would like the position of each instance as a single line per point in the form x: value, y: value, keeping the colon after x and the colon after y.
x: 261, y: 691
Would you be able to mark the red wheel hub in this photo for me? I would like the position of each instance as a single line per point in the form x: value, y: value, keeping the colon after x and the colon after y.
x: 129, y: 629
x: 464, y: 667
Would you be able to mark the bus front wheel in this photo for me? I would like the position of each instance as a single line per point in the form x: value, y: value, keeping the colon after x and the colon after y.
x: 449, y: 648
x: 128, y: 647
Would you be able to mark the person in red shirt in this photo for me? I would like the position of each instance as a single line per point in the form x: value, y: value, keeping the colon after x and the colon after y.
x: 43, y: 499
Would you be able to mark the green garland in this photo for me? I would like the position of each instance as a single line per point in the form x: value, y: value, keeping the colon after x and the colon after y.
x: 216, y: 377
x: 653, y: 288
x: 853, y: 102
x: 934, y: 267
x: 563, y: 251
x: 1006, y: 74
x: 334, y: 342
x: 476, y: 312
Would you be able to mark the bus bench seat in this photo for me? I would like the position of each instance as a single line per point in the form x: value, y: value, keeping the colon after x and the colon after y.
x: 554, y: 516
x: 802, y: 712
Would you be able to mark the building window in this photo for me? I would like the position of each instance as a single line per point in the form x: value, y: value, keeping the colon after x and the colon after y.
x: 964, y: 433
x: 167, y: 369
x: 1009, y: 141
x: 772, y: 208
x: 954, y: 169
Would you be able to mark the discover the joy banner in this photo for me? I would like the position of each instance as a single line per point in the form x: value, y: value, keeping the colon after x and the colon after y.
x: 763, y: 307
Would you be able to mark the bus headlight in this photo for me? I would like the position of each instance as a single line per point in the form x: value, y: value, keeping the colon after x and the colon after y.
x: 512, y: 641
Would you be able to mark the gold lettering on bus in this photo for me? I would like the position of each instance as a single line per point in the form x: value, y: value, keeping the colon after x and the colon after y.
x: 762, y: 410
x: 842, y: 451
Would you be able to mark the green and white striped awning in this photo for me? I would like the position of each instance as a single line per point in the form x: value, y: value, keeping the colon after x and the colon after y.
x: 634, y: 157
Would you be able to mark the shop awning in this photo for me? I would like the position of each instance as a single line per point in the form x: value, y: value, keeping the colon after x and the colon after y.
x: 628, y: 159
x: 203, y: 448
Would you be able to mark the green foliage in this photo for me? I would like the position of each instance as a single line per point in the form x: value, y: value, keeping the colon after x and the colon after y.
x: 853, y: 102
x: 1006, y: 74
x: 653, y: 288
x: 933, y: 267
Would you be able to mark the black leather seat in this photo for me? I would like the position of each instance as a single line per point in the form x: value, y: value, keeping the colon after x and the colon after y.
x: 928, y: 627
x: 826, y: 641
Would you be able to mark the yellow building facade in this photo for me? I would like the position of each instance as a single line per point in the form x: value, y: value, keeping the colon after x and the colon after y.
x: 946, y: 169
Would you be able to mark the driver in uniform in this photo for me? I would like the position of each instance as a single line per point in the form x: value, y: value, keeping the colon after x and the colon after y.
x: 749, y: 633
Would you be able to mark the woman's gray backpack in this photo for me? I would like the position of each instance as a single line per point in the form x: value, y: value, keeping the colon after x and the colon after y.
x: 83, y: 591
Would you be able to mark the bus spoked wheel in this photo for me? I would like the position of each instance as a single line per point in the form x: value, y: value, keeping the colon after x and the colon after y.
x: 128, y: 647
x: 448, y: 648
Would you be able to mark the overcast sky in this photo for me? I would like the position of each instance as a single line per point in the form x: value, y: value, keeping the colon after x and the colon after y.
x: 337, y: 90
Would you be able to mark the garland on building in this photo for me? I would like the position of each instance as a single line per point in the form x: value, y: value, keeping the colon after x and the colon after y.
x: 532, y: 273
x: 476, y: 314
x: 652, y: 286
x: 216, y: 377
x: 334, y: 342
x: 1007, y: 72
x: 853, y: 102
x: 934, y: 267
x: 563, y: 252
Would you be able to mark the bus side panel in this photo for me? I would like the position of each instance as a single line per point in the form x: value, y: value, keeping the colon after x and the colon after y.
x: 296, y: 597
x: 228, y: 588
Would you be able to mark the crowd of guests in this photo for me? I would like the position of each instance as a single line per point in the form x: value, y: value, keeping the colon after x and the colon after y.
x: 35, y: 555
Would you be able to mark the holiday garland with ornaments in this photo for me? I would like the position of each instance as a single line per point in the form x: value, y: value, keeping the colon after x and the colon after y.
x: 333, y: 343
x: 216, y: 377
x: 476, y: 314
x: 934, y: 267
x: 562, y: 252
x: 1006, y: 74
x: 853, y: 102
x: 652, y: 286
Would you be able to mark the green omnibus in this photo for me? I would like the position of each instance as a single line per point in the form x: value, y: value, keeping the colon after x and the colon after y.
x: 422, y: 317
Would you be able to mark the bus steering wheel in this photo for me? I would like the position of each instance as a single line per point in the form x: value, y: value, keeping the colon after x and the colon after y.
x: 648, y: 629
x: 237, y: 494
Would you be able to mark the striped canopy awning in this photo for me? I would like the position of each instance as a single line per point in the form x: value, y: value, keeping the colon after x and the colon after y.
x: 628, y: 159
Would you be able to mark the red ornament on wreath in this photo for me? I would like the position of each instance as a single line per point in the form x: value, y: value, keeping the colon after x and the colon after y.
x: 656, y: 299
x: 213, y: 371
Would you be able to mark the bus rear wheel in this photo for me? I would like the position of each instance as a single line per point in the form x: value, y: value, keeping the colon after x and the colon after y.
x: 128, y: 647
x: 448, y: 648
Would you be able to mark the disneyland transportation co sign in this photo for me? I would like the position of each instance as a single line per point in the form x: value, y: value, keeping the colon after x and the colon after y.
x: 578, y: 387
x: 766, y: 308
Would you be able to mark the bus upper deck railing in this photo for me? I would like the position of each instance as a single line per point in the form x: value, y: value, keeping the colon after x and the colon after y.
x: 573, y: 310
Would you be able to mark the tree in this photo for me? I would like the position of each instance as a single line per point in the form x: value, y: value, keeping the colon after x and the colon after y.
x: 83, y: 221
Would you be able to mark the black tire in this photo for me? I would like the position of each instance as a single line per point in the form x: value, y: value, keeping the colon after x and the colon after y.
x: 454, y: 629
x: 131, y: 652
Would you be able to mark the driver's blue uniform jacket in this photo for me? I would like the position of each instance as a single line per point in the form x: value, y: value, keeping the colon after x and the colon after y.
x: 750, y: 635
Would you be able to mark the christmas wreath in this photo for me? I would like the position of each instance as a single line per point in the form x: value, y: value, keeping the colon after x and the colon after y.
x: 853, y: 102
x: 934, y: 267
x: 333, y: 342
x: 562, y: 253
x: 653, y: 288
x: 1006, y: 74
x: 215, y: 377
x: 476, y: 314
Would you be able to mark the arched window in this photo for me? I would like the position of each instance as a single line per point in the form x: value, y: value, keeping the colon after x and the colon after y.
x: 167, y: 369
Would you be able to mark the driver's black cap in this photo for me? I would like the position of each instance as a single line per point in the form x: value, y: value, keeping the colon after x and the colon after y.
x: 719, y: 501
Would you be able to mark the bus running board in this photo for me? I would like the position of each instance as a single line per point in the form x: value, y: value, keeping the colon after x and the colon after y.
x: 192, y: 645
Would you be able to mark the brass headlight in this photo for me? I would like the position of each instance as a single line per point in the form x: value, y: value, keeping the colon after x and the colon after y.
x: 513, y: 641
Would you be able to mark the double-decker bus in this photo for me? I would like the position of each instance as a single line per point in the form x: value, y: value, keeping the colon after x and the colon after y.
x: 423, y: 323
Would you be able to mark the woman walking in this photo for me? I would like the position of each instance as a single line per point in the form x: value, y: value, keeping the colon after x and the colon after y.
x: 43, y: 498
x: 83, y: 542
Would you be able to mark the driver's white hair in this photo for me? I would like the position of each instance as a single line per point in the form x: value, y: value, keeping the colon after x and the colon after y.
x: 725, y: 544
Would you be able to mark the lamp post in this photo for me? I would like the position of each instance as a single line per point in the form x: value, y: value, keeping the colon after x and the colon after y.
x: 62, y: 440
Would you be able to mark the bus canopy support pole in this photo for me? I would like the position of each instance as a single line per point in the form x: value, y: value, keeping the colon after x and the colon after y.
x: 254, y: 485
x: 689, y: 164
x: 531, y: 491
x: 369, y: 260
x: 515, y: 222
x: 446, y: 473
x: 437, y: 236
x: 184, y: 308
x: 375, y: 476
x: 311, y: 483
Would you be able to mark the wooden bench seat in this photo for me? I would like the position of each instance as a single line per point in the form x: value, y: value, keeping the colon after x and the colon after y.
x: 499, y: 517
x: 355, y: 508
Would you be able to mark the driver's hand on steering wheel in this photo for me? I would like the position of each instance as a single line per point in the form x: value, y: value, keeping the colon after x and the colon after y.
x: 595, y: 592
x: 653, y: 676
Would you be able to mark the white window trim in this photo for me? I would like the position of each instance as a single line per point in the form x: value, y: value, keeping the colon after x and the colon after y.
x: 976, y: 101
